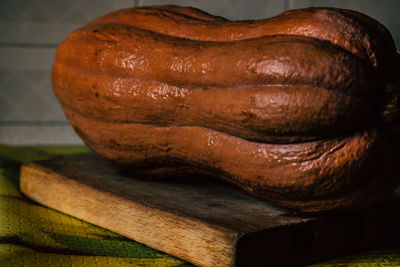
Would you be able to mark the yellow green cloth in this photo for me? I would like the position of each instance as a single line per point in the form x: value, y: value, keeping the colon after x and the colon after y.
x: 33, y: 235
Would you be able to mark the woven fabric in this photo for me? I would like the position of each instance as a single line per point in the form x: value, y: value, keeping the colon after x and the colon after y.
x: 33, y: 235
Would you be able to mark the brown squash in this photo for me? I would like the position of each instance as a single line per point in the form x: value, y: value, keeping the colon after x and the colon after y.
x: 293, y: 109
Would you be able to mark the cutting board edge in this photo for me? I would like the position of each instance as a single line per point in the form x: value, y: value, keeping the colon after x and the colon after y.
x: 229, y: 243
x: 220, y: 249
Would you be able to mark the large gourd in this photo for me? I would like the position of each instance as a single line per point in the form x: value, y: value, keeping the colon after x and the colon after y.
x: 296, y: 109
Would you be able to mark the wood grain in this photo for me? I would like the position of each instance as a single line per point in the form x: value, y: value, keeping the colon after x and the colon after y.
x: 203, y: 221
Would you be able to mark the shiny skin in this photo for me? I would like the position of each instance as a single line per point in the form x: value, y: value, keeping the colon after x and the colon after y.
x: 285, y: 108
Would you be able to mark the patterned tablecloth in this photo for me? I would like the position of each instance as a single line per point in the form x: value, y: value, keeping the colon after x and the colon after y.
x: 33, y: 235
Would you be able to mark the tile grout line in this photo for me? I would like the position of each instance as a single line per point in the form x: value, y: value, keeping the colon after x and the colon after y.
x: 27, y: 45
x: 33, y: 123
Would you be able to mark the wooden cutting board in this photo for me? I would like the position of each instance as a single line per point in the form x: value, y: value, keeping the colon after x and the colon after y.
x: 201, y: 220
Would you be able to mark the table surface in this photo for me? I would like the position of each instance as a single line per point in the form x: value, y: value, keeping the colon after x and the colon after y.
x: 33, y: 235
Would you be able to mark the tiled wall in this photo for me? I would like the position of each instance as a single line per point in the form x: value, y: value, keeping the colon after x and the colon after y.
x: 30, y: 31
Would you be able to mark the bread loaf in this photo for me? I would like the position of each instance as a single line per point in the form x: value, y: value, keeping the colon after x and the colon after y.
x: 293, y: 109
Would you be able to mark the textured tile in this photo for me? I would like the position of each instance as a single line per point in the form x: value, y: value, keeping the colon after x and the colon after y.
x: 36, y: 108
x: 117, y: 4
x: 231, y: 9
x: 29, y: 96
x: 45, y: 89
x: 92, y: 8
x: 17, y: 58
x: 37, y: 77
x: 12, y: 10
x: 14, y: 114
x: 36, y: 14
x: 5, y: 107
x: 26, y: 33
x: 56, y: 113
x: 16, y: 88
x: 5, y: 75
x: 49, y: 21
x: 56, y: 9
x: 39, y: 135
x: 75, y: 15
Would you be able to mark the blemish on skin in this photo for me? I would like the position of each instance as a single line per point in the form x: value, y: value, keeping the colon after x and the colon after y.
x: 120, y: 88
x: 165, y: 91
x: 269, y: 67
x: 204, y: 68
x: 133, y: 62
x: 182, y: 64
x: 97, y: 52
x: 185, y: 106
x: 210, y: 139
x: 261, y: 153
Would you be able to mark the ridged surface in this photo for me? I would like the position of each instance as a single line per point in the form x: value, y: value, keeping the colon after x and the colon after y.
x: 286, y: 108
